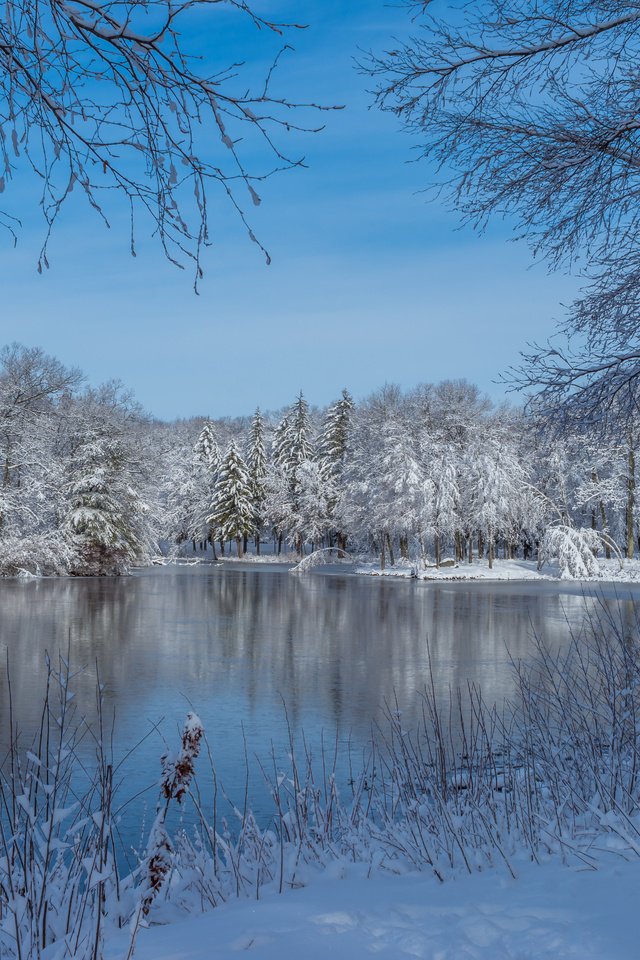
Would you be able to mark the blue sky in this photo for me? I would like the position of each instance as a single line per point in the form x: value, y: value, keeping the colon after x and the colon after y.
x: 372, y: 280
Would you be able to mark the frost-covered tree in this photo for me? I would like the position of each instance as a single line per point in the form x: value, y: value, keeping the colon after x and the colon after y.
x: 498, y: 480
x: 310, y: 520
x: 446, y: 501
x: 279, y: 506
x: 231, y: 514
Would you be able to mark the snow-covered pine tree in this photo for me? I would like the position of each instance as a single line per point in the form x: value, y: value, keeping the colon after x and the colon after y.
x: 206, y: 447
x: 206, y: 467
x: 332, y: 451
x: 257, y: 468
x: 332, y: 443
x: 231, y: 513
x: 300, y: 448
x: 291, y: 448
x: 281, y: 443
x: 106, y: 521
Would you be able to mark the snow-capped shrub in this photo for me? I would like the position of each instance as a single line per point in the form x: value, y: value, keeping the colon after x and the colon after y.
x: 45, y: 555
x: 573, y: 548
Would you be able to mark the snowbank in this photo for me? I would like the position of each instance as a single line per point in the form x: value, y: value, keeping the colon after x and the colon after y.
x: 551, y: 912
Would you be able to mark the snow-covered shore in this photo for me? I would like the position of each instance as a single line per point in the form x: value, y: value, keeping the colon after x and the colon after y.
x: 611, y: 571
x: 550, y: 912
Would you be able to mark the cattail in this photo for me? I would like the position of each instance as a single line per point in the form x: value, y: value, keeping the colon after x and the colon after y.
x: 158, y: 864
x: 174, y: 784
x: 177, y: 774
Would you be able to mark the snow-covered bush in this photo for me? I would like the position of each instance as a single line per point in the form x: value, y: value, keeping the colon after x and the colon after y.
x: 44, y: 555
x: 574, y: 549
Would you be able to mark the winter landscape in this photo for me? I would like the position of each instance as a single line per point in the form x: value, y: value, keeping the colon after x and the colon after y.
x: 319, y: 516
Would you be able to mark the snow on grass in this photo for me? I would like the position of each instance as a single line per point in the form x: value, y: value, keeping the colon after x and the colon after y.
x: 551, y: 912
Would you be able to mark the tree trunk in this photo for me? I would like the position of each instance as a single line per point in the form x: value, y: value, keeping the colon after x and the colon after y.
x: 490, y: 549
x: 390, y: 545
x: 238, y: 547
x: 605, y: 529
x: 436, y: 547
x: 382, y: 556
x: 631, y: 488
x: 422, y: 549
x: 470, y: 548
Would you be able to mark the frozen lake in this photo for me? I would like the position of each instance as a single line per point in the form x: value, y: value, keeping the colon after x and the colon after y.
x: 236, y: 642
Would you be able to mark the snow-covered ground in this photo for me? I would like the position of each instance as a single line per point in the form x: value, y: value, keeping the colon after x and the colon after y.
x: 551, y: 912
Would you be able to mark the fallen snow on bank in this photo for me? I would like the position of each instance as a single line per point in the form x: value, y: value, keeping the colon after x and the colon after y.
x: 478, y: 570
x: 501, y: 570
x: 611, y: 571
x: 263, y: 558
x: 551, y: 912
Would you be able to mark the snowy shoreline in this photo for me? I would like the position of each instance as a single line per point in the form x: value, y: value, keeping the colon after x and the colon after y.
x: 611, y: 571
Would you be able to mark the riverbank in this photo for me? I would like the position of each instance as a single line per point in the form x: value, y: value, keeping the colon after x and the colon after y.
x: 611, y: 571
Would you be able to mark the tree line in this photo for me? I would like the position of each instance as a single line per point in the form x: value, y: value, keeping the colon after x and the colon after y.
x: 91, y: 484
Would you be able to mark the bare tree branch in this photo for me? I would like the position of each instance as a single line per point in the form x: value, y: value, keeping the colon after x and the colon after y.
x: 102, y: 95
x: 533, y: 110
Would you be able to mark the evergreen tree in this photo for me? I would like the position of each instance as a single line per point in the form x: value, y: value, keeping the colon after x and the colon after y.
x: 206, y: 447
x: 332, y: 451
x: 206, y: 467
x: 257, y: 467
x: 280, y: 448
x: 105, y: 522
x: 300, y: 448
x: 232, y: 509
x: 332, y: 444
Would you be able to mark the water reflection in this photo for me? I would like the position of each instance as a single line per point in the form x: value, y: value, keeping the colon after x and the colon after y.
x: 235, y: 642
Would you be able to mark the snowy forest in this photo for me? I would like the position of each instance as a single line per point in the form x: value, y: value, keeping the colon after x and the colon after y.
x: 93, y: 485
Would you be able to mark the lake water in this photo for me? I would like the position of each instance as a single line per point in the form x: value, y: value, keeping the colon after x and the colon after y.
x: 237, y: 642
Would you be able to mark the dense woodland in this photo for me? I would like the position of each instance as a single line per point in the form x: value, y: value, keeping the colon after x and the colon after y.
x: 92, y: 485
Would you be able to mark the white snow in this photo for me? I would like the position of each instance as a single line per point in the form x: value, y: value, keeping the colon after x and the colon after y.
x: 551, y: 912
